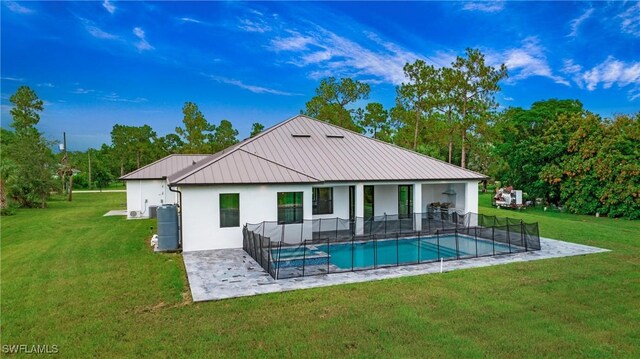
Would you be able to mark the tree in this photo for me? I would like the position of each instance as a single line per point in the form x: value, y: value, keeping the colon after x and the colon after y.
x: 475, y: 86
x: 332, y: 98
x: 170, y: 143
x: 197, y: 133
x: 445, y: 102
x: 133, y: 146
x: 416, y: 95
x: 29, y: 173
x: 224, y: 136
x: 256, y: 128
x: 523, y: 144
x: 376, y: 122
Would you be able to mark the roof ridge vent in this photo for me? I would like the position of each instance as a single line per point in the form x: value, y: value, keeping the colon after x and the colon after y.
x: 329, y: 135
x: 300, y: 135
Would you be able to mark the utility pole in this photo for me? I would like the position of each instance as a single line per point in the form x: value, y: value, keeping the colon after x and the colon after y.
x: 89, y: 154
x: 66, y: 170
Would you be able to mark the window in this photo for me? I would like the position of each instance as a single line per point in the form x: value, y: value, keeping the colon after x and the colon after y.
x: 368, y: 202
x: 405, y: 201
x: 290, y: 208
x: 229, y: 210
x: 322, y: 200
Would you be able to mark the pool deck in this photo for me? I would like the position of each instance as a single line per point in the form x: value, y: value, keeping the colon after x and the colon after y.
x: 230, y: 273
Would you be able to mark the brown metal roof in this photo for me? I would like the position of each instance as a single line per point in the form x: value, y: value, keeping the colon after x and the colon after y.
x: 164, y: 167
x: 303, y: 149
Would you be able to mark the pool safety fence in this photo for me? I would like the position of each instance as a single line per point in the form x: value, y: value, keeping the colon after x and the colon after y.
x: 334, y: 245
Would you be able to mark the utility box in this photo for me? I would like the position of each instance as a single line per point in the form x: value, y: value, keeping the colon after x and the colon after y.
x: 168, y: 228
x: 153, y: 211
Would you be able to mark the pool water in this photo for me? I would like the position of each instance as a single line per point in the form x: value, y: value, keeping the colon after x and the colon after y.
x: 407, y: 250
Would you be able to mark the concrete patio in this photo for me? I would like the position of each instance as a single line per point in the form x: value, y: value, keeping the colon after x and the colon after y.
x: 229, y: 273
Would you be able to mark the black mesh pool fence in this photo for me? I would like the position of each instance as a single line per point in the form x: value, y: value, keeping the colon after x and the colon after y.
x: 335, y: 245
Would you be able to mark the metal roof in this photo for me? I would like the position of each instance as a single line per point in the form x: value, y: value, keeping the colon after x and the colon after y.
x: 303, y: 150
x: 164, y: 167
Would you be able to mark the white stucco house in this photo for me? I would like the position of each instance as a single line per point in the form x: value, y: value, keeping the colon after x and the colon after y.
x: 299, y: 169
x: 147, y: 186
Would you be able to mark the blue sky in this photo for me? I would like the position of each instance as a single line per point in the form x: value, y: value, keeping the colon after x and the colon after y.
x: 99, y: 63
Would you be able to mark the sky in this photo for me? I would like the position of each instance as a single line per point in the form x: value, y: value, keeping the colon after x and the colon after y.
x: 96, y: 64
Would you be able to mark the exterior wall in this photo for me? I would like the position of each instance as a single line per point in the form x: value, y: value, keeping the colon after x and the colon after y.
x: 144, y: 193
x: 340, y: 203
x: 258, y: 203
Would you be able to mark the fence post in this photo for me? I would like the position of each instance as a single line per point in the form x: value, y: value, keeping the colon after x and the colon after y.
x: 493, y: 239
x: 304, y: 256
x: 269, y: 257
x: 524, y: 238
x: 419, y: 245
x: 352, y: 249
x: 328, y: 254
x: 375, y: 252
x: 397, y: 251
x: 475, y: 235
x: 508, y: 235
x: 438, y: 241
x: 457, y: 245
x: 279, y: 256
x: 336, y: 239
x: 319, y: 228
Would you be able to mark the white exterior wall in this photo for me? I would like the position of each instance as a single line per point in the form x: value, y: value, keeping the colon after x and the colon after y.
x: 471, y: 198
x: 144, y: 193
x: 258, y: 203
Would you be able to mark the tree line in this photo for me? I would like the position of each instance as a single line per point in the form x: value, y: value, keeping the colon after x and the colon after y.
x: 556, y: 150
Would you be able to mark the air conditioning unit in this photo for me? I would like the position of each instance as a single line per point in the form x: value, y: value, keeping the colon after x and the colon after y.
x: 134, y: 214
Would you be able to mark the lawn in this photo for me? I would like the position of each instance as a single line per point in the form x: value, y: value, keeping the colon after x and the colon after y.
x: 91, y: 285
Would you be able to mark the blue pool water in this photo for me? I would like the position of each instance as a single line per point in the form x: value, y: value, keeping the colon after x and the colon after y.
x: 391, y: 252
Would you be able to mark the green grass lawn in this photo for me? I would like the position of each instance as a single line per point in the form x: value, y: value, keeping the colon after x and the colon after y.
x: 92, y: 286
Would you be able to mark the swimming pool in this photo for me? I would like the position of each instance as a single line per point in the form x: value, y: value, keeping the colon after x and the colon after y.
x: 388, y: 252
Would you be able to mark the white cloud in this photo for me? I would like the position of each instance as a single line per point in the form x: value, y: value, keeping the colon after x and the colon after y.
x: 254, y: 26
x: 95, y: 31
x: 99, y: 33
x: 17, y: 8
x: 575, y: 23
x: 82, y: 91
x: 46, y: 84
x: 114, y: 97
x: 334, y: 55
x: 252, y: 88
x: 526, y: 61
x: 9, y: 78
x: 612, y: 72
x: 188, y: 19
x: 295, y: 42
x: 630, y: 20
x: 484, y: 6
x: 143, y: 44
x: 109, y: 6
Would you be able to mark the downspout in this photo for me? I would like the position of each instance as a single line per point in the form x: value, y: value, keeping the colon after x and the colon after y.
x: 179, y: 206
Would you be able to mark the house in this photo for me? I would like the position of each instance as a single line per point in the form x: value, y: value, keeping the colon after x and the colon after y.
x: 302, y: 169
x: 147, y: 186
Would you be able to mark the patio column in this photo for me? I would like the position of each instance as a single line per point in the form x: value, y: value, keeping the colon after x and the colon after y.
x: 471, y: 200
x: 359, y: 208
x: 417, y: 206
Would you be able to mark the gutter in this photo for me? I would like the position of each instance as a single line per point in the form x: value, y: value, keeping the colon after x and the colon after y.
x: 179, y: 206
